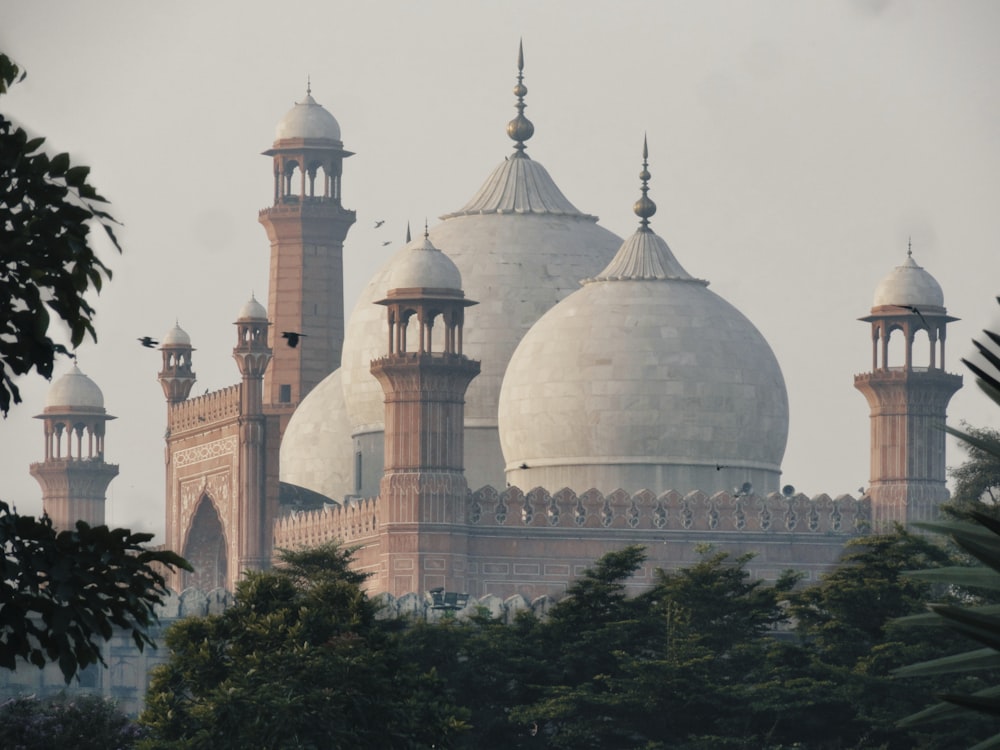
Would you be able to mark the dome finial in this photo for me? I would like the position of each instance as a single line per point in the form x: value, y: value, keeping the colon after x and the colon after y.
x: 309, y: 87
x: 520, y: 128
x: 408, y: 240
x: 909, y: 247
x: 426, y: 233
x: 644, y: 207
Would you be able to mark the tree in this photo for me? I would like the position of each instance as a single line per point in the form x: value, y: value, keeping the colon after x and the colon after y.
x: 979, y: 537
x: 47, y: 264
x: 83, y: 722
x: 62, y: 593
x: 299, y: 661
x: 977, y: 480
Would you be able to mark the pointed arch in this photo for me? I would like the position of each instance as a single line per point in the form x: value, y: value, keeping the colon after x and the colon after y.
x: 206, y: 549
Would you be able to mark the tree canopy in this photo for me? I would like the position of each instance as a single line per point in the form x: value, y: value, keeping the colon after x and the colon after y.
x: 47, y: 263
x: 62, y: 593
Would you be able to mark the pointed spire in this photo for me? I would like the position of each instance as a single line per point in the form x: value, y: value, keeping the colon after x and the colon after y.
x: 408, y: 240
x: 520, y: 128
x: 909, y: 247
x: 309, y: 87
x: 426, y: 233
x: 644, y: 207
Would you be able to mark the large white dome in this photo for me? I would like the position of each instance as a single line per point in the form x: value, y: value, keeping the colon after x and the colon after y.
x: 643, y: 379
x: 316, y: 451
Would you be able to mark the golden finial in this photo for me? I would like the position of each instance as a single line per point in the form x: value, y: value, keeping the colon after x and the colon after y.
x: 644, y: 207
x: 520, y: 128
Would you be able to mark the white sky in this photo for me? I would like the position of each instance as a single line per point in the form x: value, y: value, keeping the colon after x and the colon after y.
x: 795, y: 147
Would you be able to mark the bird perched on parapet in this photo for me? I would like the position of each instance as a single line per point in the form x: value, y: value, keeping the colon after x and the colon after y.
x: 720, y: 467
x: 148, y: 341
x: 292, y: 337
x: 379, y: 223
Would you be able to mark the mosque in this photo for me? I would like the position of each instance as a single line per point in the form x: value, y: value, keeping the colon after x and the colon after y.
x: 517, y: 392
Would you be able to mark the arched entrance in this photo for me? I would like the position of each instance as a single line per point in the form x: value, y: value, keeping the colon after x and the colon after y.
x: 206, y: 549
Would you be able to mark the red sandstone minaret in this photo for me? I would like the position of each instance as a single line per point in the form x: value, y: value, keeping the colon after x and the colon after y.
x: 908, y: 397
x: 176, y: 377
x: 74, y: 475
x: 422, y: 495
x: 306, y: 225
x: 255, y: 514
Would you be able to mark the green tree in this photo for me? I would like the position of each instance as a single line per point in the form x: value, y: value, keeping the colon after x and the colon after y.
x: 82, y: 722
x: 62, y: 593
x: 299, y: 661
x: 47, y: 264
x: 979, y: 537
x: 977, y: 480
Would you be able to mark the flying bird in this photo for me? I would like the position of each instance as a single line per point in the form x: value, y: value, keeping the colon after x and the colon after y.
x: 379, y: 223
x: 148, y: 341
x: 916, y: 311
x: 387, y: 242
x: 292, y: 337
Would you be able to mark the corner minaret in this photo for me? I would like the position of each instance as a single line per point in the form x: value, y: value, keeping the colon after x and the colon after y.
x: 255, y: 514
x: 422, y: 495
x: 306, y: 225
x: 908, y: 393
x: 74, y: 475
x: 176, y: 377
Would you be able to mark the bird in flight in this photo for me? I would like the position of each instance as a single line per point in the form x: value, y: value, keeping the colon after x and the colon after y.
x: 379, y: 223
x: 148, y: 341
x: 916, y: 311
x: 387, y: 242
x: 292, y: 337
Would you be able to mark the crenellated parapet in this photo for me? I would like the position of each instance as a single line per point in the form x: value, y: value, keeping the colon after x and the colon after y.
x: 669, y: 511
x: 199, y: 412
x: 346, y: 524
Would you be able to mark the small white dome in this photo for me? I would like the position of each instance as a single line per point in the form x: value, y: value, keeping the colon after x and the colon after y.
x: 252, y: 310
x: 74, y: 390
x: 909, y: 285
x: 423, y: 266
x: 176, y: 336
x: 309, y: 120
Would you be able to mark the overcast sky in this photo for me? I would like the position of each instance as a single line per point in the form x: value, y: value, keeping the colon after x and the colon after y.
x: 795, y: 149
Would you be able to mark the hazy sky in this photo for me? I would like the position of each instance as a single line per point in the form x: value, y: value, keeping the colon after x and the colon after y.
x: 794, y: 147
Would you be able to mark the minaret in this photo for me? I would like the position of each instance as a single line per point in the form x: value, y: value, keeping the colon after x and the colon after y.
x: 176, y: 377
x: 306, y: 225
x: 908, y: 397
x: 423, y: 491
x: 74, y: 475
x: 255, y: 515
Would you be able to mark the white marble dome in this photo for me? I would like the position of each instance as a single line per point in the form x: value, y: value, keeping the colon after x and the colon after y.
x: 252, y: 310
x: 308, y: 120
x: 316, y: 450
x: 74, y: 390
x: 909, y: 285
x: 520, y: 246
x: 423, y: 266
x: 643, y: 379
x: 176, y: 336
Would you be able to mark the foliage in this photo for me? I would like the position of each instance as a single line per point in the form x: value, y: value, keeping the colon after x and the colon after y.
x: 300, y: 661
x: 46, y: 262
x: 83, y: 722
x: 61, y: 593
x: 979, y: 537
x: 977, y: 480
